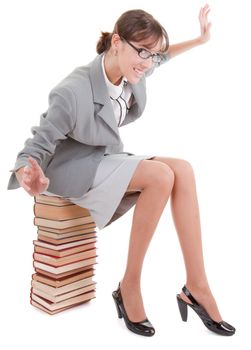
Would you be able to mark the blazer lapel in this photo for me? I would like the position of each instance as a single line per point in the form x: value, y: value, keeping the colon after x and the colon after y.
x: 101, y: 96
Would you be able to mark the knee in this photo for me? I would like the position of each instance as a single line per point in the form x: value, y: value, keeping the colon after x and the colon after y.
x: 164, y: 177
x: 184, y: 169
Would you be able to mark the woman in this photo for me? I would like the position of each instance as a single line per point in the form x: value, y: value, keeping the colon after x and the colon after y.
x: 77, y: 153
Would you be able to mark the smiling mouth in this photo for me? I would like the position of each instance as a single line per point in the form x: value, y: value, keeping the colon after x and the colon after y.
x: 138, y: 72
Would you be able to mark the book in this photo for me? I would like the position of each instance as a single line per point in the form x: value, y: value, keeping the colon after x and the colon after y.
x: 59, y: 282
x: 66, y: 240
x: 63, y: 223
x: 64, y: 235
x: 66, y: 212
x: 56, y: 261
x: 54, y: 291
x: 53, y: 200
x: 64, y: 252
x: 37, y: 305
x: 63, y: 246
x: 68, y: 302
x: 67, y: 229
x: 64, y: 268
x: 63, y: 274
x: 62, y: 297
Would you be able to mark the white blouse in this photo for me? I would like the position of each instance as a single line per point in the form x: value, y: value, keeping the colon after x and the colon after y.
x: 120, y: 96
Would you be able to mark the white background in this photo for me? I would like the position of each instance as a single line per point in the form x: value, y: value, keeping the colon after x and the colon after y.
x: 198, y: 109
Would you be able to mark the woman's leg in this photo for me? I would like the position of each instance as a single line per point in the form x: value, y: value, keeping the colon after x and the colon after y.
x: 156, y: 182
x: 185, y: 211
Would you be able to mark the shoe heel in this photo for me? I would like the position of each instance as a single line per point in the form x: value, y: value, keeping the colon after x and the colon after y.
x: 117, y: 306
x: 222, y: 327
x: 183, y: 309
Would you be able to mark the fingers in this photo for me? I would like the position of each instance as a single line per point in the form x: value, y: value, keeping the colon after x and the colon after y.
x: 25, y: 186
x: 28, y: 186
x: 35, y: 171
x: 204, y: 12
x: 27, y: 175
x: 44, y: 180
x: 45, y: 183
x: 206, y: 8
x: 35, y: 166
x: 203, y: 18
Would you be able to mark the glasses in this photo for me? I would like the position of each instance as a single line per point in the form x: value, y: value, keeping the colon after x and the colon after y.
x: 143, y: 53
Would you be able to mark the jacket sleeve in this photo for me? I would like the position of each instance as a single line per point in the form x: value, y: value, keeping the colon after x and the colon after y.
x: 55, y: 124
x: 165, y: 57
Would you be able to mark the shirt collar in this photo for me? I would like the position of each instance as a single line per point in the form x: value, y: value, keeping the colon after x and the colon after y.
x: 114, y: 90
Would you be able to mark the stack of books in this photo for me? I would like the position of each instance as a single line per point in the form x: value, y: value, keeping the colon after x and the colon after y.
x: 64, y: 255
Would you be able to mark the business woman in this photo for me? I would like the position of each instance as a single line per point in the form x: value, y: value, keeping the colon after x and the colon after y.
x: 76, y: 152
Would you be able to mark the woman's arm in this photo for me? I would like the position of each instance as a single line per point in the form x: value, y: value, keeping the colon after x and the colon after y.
x: 179, y: 48
x: 55, y: 124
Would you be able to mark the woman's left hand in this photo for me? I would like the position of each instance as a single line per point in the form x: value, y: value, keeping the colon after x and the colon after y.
x: 204, y: 24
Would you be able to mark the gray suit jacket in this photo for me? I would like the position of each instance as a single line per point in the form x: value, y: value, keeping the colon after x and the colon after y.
x: 76, y: 129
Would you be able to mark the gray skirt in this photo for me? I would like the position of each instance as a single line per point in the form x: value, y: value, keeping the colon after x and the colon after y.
x: 107, y: 198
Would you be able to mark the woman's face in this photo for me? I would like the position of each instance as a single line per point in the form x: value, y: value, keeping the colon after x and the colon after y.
x: 131, y: 65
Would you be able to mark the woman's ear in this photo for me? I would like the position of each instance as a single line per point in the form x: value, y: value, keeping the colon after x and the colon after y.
x: 115, y: 41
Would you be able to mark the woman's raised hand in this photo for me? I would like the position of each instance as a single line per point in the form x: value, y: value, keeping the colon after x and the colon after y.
x: 204, y: 24
x: 32, y: 178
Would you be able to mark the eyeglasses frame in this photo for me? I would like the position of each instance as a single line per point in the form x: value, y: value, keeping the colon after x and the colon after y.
x: 139, y: 50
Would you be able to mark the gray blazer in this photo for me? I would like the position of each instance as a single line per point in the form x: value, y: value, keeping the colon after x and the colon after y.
x: 77, y: 128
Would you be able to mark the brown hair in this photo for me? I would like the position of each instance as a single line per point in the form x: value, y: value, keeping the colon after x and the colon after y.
x: 135, y: 25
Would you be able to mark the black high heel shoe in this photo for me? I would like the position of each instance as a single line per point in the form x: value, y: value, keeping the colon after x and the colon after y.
x: 222, y: 327
x: 142, y: 328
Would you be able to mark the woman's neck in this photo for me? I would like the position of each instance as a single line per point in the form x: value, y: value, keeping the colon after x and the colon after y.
x: 112, y: 69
